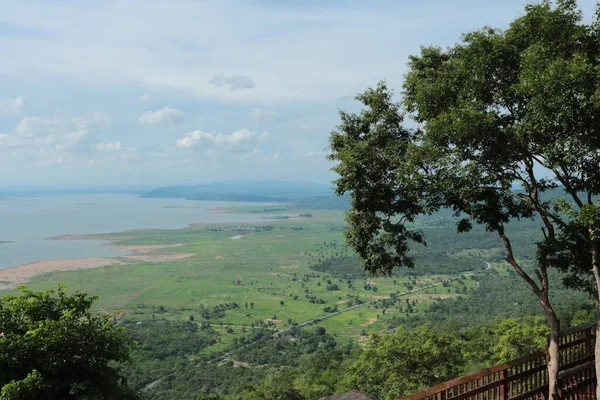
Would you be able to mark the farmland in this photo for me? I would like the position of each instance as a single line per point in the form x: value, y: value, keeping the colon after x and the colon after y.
x: 273, y: 274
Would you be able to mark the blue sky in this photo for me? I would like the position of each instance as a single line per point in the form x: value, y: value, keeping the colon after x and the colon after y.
x: 176, y: 92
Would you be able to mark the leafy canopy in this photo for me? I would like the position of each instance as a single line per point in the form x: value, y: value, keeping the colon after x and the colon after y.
x: 405, y: 362
x: 52, y: 347
x: 500, y: 108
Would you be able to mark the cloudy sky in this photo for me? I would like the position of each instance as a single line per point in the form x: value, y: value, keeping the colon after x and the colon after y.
x: 171, y: 92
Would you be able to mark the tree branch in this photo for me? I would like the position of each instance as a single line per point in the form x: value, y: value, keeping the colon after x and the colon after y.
x: 563, y: 180
x: 513, y: 262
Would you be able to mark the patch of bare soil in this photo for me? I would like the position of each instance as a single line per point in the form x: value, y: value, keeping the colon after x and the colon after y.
x: 146, y: 248
x: 23, y: 273
x: 14, y: 276
x: 240, y: 364
x: 369, y: 322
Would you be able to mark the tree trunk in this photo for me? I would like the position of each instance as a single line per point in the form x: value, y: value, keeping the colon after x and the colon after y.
x: 596, y: 272
x: 597, y: 350
x: 553, y: 363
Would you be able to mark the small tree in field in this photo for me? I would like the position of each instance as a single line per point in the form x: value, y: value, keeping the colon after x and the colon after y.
x: 53, y: 348
x: 520, y: 106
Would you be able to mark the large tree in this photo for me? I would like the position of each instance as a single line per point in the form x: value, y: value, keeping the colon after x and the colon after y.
x: 405, y: 362
x: 501, y: 108
x: 52, y: 347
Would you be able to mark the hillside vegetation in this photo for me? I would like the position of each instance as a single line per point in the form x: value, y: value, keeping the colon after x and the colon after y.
x: 287, y: 302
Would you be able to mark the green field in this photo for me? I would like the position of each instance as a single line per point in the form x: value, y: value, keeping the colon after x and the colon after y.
x: 255, y: 270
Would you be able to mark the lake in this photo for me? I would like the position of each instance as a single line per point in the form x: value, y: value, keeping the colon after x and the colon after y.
x: 27, y: 222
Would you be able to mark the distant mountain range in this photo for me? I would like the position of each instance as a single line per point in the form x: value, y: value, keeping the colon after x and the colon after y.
x: 297, y: 194
x: 255, y: 191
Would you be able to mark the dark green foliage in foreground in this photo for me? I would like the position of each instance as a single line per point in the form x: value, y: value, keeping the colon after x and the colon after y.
x: 53, y: 348
x: 405, y: 362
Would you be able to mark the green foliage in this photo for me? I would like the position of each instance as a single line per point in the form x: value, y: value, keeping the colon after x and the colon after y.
x: 514, y: 338
x: 404, y: 362
x: 161, y: 339
x: 276, y: 387
x: 53, y: 348
x: 265, y: 349
x: 490, y: 300
x: 492, y: 110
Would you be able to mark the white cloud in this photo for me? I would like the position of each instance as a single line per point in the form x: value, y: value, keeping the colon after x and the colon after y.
x: 207, y: 140
x: 46, y: 141
x: 166, y: 116
x: 145, y: 98
x: 109, y: 146
x: 36, y: 126
x: 278, y: 54
x: 65, y: 140
x: 315, y: 154
x: 258, y: 114
x: 33, y: 126
x: 232, y: 82
x: 92, y: 121
x: 12, y: 106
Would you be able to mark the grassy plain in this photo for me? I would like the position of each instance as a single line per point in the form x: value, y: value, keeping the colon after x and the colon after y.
x: 258, y: 271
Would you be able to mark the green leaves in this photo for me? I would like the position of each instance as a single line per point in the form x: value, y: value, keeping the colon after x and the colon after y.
x: 54, y: 348
x: 405, y: 362
x: 374, y: 151
x: 501, y: 108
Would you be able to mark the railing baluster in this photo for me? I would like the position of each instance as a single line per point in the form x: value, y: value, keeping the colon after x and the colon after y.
x: 527, y: 378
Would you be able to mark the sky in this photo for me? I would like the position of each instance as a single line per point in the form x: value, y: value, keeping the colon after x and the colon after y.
x: 179, y: 92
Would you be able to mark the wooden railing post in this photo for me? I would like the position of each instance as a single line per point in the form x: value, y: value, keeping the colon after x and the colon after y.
x: 588, y: 342
x: 526, y: 378
x: 502, y: 389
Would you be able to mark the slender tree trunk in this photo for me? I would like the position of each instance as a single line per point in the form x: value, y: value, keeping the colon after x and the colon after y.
x: 597, y: 349
x: 541, y: 293
x: 596, y: 272
x: 553, y: 363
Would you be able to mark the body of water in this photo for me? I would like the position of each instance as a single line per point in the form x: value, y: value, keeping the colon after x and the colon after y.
x: 27, y: 223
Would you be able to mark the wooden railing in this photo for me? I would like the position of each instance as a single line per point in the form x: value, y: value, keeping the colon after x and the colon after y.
x: 527, y: 378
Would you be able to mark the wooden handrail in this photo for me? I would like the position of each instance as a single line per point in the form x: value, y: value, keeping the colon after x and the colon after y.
x: 578, y: 328
x: 476, y: 375
x: 497, y: 379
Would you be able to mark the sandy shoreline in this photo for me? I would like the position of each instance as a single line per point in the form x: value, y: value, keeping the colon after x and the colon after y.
x: 10, y: 277
x: 20, y: 274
